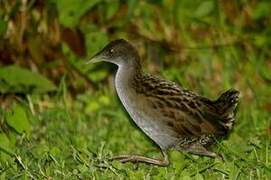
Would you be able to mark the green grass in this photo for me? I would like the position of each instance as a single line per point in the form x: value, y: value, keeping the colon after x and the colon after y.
x: 73, y: 137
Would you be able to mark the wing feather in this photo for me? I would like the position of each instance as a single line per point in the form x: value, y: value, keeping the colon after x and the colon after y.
x: 187, y: 113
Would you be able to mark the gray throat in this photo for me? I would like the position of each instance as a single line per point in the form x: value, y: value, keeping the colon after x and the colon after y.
x: 124, y: 79
x: 123, y: 83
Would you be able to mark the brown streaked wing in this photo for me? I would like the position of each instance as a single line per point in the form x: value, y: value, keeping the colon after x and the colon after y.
x: 152, y: 85
x: 186, y: 113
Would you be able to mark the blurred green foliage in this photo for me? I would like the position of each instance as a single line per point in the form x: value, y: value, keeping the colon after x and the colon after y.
x: 61, y: 119
x: 17, y: 119
x: 71, y: 11
x: 14, y: 79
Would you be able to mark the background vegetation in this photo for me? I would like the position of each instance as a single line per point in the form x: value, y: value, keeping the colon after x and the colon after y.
x: 61, y: 119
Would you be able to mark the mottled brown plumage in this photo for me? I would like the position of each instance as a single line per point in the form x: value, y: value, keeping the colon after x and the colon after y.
x: 171, y: 116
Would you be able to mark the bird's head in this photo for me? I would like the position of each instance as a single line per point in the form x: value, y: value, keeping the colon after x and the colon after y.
x: 118, y: 52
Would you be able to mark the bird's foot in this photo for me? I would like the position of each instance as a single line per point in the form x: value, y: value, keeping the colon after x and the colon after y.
x: 198, y: 150
x: 143, y: 159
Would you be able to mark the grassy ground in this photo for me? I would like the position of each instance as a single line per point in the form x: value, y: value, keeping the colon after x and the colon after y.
x: 73, y: 137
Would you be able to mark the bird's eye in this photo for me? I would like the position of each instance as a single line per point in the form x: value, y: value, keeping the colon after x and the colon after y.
x: 111, y: 50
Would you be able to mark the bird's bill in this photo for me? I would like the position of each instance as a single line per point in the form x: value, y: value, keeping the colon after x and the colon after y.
x: 96, y: 58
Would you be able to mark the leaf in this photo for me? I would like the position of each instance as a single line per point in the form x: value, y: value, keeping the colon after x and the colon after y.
x: 35, y: 47
x: 70, y: 11
x: 199, y: 177
x: 92, y: 107
x: 262, y: 10
x: 17, y: 119
x: 97, y: 76
x: 5, y: 148
x: 4, y: 143
x: 204, y: 9
x: 104, y: 100
x: 111, y: 8
x: 14, y: 79
x: 3, y: 27
x: 3, y: 24
x: 132, y: 4
x: 95, y: 40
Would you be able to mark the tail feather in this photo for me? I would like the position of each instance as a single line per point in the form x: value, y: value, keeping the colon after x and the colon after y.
x: 226, y: 105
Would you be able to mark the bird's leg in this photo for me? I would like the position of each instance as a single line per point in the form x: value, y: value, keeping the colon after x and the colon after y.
x: 143, y: 159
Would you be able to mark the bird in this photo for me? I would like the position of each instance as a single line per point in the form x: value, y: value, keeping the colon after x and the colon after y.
x: 170, y: 115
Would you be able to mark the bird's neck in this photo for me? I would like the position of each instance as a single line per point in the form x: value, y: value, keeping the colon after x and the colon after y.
x: 126, y: 75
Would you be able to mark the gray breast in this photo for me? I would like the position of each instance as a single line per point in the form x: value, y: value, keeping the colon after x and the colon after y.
x: 146, y: 118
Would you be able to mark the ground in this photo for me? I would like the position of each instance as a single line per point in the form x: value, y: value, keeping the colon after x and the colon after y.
x: 70, y: 133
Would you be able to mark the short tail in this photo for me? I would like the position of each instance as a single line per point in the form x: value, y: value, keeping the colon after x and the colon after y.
x: 226, y: 105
